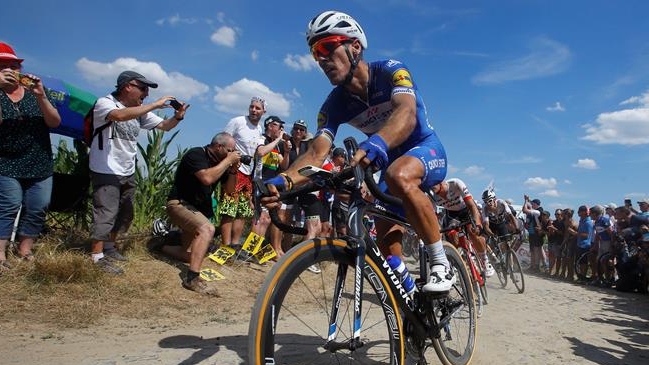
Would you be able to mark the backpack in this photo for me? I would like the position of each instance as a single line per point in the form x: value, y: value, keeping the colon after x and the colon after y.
x: 89, y: 131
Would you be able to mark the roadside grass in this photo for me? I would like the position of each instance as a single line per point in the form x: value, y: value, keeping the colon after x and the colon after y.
x: 62, y: 289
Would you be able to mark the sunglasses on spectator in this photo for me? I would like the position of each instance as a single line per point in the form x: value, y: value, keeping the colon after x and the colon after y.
x: 299, y: 130
x: 324, y: 47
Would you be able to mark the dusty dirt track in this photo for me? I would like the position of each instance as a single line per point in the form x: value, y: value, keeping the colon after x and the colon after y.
x: 551, y: 323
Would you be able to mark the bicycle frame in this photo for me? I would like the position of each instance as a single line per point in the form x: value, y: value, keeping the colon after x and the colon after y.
x: 415, y: 321
x: 362, y: 244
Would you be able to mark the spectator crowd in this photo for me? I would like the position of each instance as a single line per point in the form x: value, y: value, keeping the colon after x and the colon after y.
x: 250, y: 146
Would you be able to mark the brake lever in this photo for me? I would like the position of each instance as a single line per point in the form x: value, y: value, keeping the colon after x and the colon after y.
x: 259, y: 189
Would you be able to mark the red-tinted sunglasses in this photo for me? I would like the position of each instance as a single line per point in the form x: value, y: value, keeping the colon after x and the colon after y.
x: 324, y: 47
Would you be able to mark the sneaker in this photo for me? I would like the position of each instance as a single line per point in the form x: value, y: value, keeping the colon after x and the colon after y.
x: 489, y: 270
x: 314, y: 269
x: 200, y: 286
x: 109, y: 266
x: 114, y: 255
x: 441, y: 279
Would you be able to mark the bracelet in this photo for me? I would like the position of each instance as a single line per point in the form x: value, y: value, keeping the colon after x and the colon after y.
x: 289, y: 181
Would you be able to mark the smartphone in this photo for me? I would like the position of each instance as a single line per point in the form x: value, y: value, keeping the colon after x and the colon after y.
x: 175, y: 104
x: 26, y: 81
x: 313, y: 172
x: 627, y: 202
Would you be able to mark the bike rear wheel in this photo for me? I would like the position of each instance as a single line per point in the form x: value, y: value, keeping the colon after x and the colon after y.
x: 289, y: 323
x: 457, y: 341
x: 583, y: 266
x: 606, y: 269
x: 515, y: 271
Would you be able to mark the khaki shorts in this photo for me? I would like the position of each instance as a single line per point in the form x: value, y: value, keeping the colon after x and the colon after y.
x: 188, y: 218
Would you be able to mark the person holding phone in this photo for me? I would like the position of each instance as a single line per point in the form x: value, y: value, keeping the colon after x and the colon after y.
x: 26, y: 164
x: 272, y: 158
x: 112, y: 166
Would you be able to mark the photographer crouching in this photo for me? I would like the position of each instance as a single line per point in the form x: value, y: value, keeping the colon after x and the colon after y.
x: 189, y: 205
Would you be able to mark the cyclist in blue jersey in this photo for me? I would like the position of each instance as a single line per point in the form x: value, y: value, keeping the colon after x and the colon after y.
x: 382, y: 100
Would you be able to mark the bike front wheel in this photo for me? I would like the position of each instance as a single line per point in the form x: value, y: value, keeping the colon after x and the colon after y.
x: 290, y: 321
x: 515, y: 271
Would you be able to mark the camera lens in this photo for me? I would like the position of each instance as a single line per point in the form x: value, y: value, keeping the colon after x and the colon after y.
x: 246, y: 159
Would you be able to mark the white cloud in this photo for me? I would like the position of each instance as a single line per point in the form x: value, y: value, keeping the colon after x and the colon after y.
x: 545, y: 58
x: 625, y: 127
x: 224, y: 36
x: 220, y: 17
x: 642, y: 100
x: 540, y: 183
x: 586, y: 163
x: 451, y: 170
x: 254, y: 55
x: 170, y: 83
x: 557, y: 107
x: 550, y: 192
x: 474, y: 170
x: 300, y: 62
x: 175, y: 20
x: 235, y: 98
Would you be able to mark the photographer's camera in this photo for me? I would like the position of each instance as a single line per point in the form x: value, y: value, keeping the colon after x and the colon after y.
x: 246, y: 159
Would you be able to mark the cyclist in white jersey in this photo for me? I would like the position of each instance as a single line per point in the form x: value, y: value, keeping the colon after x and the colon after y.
x: 454, y: 196
x: 497, y: 218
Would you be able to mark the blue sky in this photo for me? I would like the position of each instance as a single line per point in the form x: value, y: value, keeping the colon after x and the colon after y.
x: 548, y: 98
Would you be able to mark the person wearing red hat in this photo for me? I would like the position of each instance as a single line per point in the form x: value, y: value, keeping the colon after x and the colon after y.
x: 26, y: 163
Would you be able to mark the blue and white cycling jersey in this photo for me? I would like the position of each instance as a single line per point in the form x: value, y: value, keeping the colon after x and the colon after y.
x: 386, y: 78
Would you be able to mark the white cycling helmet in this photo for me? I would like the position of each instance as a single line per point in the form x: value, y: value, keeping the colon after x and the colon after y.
x: 334, y: 23
x: 488, y: 195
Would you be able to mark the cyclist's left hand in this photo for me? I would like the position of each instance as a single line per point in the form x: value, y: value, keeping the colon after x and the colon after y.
x: 376, y: 151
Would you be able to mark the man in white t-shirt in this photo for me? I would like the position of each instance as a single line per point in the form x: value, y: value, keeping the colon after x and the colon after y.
x: 235, y: 207
x: 117, y: 120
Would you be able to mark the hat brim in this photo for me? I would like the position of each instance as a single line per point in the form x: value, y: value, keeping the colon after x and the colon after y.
x: 146, y: 82
x: 5, y: 58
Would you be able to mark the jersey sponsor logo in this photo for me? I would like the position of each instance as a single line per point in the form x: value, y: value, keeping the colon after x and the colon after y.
x: 436, y: 163
x: 391, y: 63
x: 322, y: 119
x: 401, y: 77
x: 403, y: 90
x: 433, y: 152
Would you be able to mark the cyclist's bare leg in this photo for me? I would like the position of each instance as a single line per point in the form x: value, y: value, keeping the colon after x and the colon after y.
x: 403, y: 177
x: 389, y: 236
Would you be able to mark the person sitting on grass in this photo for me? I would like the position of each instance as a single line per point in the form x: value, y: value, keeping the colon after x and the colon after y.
x: 189, y: 205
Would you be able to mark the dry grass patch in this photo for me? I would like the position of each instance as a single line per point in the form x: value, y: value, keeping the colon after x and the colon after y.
x: 61, y: 289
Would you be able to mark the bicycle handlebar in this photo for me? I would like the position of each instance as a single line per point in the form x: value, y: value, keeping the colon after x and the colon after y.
x: 334, y: 182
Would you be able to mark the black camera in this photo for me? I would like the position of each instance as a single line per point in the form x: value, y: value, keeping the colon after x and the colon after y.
x: 246, y: 159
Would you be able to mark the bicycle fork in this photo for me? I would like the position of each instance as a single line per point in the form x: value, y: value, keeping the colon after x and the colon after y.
x: 355, y: 342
